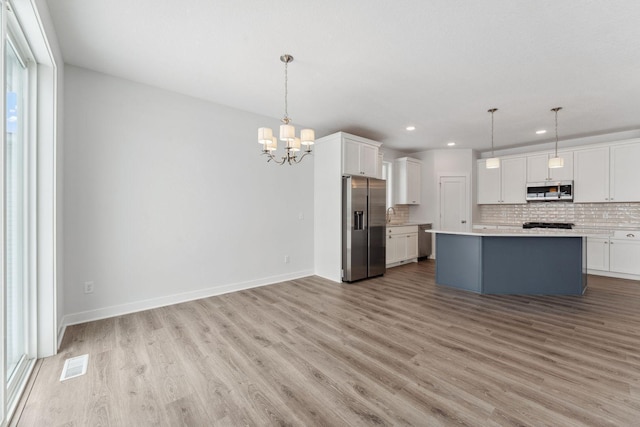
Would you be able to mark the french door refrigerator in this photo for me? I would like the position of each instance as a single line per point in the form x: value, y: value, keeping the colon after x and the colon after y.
x: 363, y: 227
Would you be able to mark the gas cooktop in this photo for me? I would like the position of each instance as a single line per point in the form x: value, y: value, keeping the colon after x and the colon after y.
x: 563, y: 225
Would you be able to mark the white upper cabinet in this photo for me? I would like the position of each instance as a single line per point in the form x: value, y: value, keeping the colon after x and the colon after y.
x: 591, y: 175
x: 407, y: 181
x: 538, y: 168
x: 625, y: 173
x: 514, y: 180
x: 488, y: 184
x: 506, y: 184
x: 359, y: 158
x: 608, y: 174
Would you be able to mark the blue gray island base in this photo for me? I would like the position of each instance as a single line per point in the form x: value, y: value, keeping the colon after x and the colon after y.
x: 517, y: 265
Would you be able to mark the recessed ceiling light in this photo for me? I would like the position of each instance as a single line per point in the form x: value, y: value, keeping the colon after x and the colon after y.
x: 451, y: 144
x: 411, y: 128
x: 541, y: 131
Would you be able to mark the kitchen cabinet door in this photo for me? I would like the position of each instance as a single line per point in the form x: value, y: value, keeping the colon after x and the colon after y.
x: 369, y: 160
x: 412, y: 245
x: 407, y: 179
x: 488, y: 184
x: 538, y: 168
x: 591, y: 175
x: 565, y: 173
x: 598, y: 253
x: 513, y: 180
x: 625, y: 173
x: 624, y: 255
x: 350, y: 157
x: 396, y: 248
x: 359, y: 159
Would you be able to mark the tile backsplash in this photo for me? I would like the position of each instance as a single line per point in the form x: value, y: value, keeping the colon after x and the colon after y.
x: 401, y: 216
x: 606, y: 215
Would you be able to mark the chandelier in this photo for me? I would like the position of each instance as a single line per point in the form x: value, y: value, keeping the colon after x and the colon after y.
x: 492, y: 162
x: 292, y: 144
x: 556, y: 162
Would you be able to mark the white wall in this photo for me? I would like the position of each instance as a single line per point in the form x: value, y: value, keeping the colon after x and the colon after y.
x: 167, y: 199
x: 434, y: 163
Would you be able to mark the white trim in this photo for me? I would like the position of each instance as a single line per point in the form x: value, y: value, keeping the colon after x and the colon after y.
x: 30, y: 20
x: 613, y: 274
x: 133, y: 307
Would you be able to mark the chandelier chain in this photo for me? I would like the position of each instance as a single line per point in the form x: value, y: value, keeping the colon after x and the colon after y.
x: 286, y: 90
x: 286, y: 119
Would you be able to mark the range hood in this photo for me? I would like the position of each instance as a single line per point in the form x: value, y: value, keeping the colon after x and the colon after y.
x: 550, y: 191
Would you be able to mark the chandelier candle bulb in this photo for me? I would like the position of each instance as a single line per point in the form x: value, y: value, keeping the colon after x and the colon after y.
x: 295, y: 144
x: 273, y: 145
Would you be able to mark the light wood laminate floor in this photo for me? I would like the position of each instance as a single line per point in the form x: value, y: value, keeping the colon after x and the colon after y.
x: 396, y: 350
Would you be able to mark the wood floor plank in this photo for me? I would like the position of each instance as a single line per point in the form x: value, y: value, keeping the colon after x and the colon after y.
x: 394, y: 350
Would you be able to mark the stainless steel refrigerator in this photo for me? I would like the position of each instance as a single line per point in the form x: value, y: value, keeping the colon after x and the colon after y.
x: 363, y: 227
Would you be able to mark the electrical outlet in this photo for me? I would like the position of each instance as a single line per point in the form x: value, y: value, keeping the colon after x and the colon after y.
x: 286, y: 259
x: 88, y: 287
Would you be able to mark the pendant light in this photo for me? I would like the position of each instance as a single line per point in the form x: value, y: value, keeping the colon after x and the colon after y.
x: 292, y: 144
x: 492, y: 162
x: 556, y: 162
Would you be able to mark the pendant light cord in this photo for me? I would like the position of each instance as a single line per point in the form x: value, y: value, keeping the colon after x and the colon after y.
x: 492, y: 110
x: 492, y: 134
x: 555, y: 110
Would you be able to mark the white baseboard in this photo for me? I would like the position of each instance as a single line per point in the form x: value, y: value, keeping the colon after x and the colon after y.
x: 612, y: 274
x: 133, y: 307
x: 61, y: 331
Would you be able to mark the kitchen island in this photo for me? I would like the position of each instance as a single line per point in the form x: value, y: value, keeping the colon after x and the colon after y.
x: 522, y: 262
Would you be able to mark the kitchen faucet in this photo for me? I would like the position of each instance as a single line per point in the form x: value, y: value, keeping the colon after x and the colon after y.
x: 390, y: 208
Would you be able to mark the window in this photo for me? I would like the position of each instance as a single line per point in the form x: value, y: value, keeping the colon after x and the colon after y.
x: 18, y: 167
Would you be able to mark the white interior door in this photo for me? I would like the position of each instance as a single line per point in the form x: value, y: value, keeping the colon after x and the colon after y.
x: 453, y: 203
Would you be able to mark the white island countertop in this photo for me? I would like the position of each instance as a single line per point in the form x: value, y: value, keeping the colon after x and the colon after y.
x: 531, y: 232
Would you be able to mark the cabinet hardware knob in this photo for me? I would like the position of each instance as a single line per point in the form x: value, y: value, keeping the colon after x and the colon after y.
x: 631, y: 235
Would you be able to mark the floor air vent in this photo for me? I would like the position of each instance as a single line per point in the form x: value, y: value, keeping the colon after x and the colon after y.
x: 74, y: 367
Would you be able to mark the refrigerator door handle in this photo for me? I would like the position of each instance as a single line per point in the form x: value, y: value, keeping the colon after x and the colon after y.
x: 358, y: 220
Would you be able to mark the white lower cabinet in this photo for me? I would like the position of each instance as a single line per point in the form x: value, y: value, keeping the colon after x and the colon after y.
x: 617, y: 254
x: 624, y: 255
x: 402, y: 244
x: 598, y: 253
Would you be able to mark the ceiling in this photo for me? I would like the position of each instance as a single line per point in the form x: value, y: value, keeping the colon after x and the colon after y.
x: 373, y: 67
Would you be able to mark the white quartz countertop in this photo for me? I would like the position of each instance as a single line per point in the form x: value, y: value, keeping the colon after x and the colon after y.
x: 407, y: 224
x: 535, y: 232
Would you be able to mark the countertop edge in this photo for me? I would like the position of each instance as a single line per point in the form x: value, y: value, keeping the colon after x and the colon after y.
x: 521, y: 233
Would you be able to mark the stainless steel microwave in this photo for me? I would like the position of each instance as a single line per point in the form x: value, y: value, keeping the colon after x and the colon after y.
x: 550, y: 191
